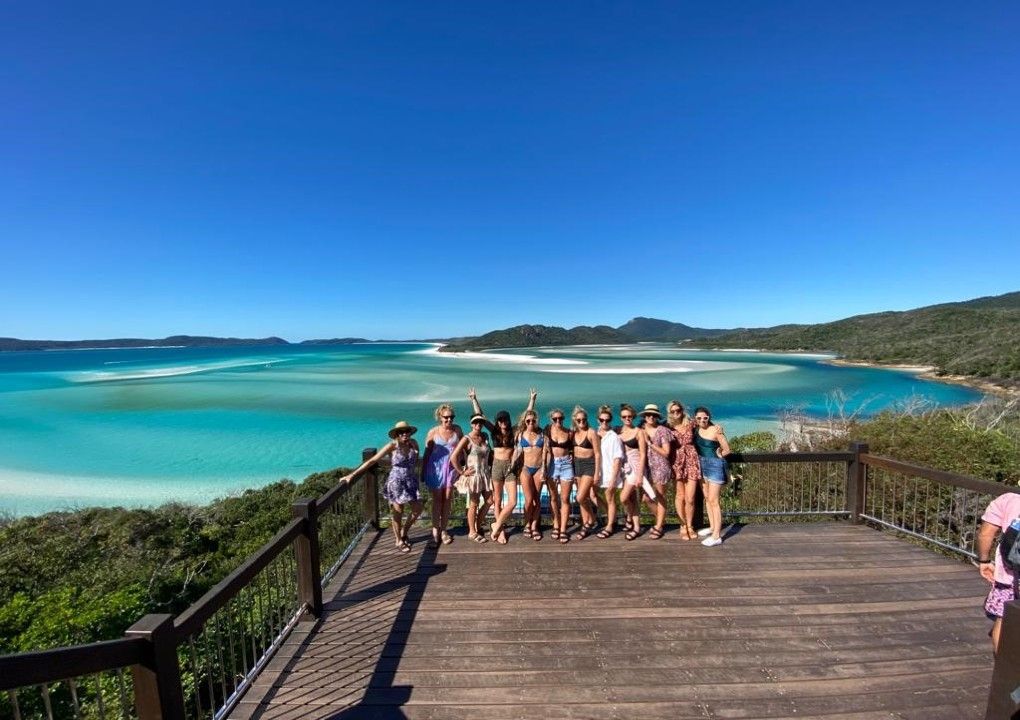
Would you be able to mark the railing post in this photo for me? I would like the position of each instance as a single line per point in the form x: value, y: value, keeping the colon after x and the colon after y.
x: 1004, y: 694
x: 306, y: 550
x: 370, y: 500
x: 856, y: 476
x: 158, y: 692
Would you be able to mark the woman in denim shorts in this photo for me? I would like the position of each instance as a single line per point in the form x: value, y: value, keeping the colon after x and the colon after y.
x: 712, y: 451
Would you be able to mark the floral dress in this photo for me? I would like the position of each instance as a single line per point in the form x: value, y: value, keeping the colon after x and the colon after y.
x: 658, y: 466
x: 684, y: 456
x: 402, y: 483
x: 480, y: 480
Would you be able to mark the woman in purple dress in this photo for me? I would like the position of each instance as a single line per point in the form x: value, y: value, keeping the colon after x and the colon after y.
x: 401, y: 486
x: 438, y: 472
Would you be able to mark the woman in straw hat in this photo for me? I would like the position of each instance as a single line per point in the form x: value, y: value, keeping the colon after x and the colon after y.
x: 401, y: 486
x: 659, y: 440
x: 475, y: 471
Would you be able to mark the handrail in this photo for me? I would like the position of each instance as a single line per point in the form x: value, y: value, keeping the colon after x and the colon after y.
x: 48, y: 666
x: 940, y: 476
x: 796, y: 457
x: 221, y: 593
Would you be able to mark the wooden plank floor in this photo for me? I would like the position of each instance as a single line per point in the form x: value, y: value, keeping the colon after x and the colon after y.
x: 781, y: 621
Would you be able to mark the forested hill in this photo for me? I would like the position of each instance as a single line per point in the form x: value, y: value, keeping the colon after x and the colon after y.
x: 172, y: 341
x: 640, y: 329
x: 979, y: 338
x: 539, y: 335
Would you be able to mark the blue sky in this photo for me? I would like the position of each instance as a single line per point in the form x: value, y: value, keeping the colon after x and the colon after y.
x: 415, y: 169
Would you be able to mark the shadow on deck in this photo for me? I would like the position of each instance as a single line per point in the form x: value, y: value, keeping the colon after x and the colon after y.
x: 781, y: 621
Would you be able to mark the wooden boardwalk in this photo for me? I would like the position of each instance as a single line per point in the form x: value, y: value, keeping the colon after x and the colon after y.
x: 781, y: 621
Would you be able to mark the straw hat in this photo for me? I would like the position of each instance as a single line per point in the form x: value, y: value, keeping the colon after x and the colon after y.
x: 652, y: 409
x: 401, y: 427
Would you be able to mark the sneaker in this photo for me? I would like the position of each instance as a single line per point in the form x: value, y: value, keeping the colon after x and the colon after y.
x: 704, y: 532
x: 711, y: 542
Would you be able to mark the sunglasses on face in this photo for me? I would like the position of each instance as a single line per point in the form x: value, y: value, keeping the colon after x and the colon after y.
x: 530, y: 421
x: 626, y: 417
x: 404, y: 432
x: 477, y: 422
x: 557, y: 419
x: 675, y: 411
x: 605, y: 420
x: 449, y: 417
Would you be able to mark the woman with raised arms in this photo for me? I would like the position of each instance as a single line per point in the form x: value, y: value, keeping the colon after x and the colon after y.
x: 559, y: 463
x: 401, y: 486
x: 475, y: 471
x: 686, y: 466
x: 531, y: 446
x: 504, y: 472
x: 712, y: 450
x: 438, y: 472
x: 588, y: 473
x: 658, y: 438
x: 635, y: 444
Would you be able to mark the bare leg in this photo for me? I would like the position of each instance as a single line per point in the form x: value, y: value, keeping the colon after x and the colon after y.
x: 528, y: 486
x: 472, y: 515
x: 584, y: 491
x: 437, y: 513
x: 712, y: 506
x: 610, y: 502
x: 564, y: 517
x: 483, y: 511
x: 632, y: 504
x: 554, y: 503
x: 411, y: 519
x: 996, y: 631
x: 497, y: 497
x: 396, y: 523
x: 504, y: 514
x: 689, y: 490
x: 659, y: 506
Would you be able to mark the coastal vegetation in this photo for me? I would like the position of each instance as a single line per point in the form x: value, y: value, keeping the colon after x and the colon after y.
x: 86, y: 575
x: 977, y: 338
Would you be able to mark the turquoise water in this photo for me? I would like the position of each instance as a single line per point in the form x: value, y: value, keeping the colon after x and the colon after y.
x: 136, y: 427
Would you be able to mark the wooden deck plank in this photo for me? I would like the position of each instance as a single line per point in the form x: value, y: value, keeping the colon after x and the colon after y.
x: 762, y: 627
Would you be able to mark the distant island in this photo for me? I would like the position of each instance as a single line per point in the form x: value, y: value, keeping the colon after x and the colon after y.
x: 640, y: 329
x: 172, y: 341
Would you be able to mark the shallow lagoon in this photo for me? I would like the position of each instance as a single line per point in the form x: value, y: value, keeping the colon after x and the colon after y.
x: 142, y: 426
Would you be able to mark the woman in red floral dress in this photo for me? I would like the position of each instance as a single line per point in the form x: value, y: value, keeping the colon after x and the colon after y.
x: 686, y: 466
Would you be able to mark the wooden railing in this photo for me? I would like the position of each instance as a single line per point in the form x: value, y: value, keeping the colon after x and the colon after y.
x: 200, y: 664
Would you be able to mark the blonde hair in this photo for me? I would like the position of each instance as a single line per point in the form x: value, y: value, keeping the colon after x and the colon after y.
x: 628, y: 406
x: 676, y: 404
x: 605, y: 409
x: 524, y: 416
x: 442, y: 409
x: 578, y: 410
x: 556, y: 410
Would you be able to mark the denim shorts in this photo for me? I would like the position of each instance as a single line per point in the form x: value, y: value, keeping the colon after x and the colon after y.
x: 713, y: 470
x: 562, y: 468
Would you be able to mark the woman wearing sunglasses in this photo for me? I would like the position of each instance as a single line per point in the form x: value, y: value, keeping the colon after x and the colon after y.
x: 587, y: 471
x: 438, y: 472
x: 635, y: 444
x: 504, y: 472
x: 401, y: 486
x: 686, y: 466
x: 613, y: 457
x: 475, y: 471
x: 712, y: 450
x: 559, y: 459
x: 530, y: 452
x: 658, y: 438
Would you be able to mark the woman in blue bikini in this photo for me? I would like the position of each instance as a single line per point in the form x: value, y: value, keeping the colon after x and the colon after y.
x: 531, y: 447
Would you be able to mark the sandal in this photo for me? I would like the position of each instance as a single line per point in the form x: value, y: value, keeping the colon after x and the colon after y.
x: 446, y: 538
x: 434, y: 541
x: 536, y: 536
x: 655, y: 533
x: 606, y: 532
x: 564, y: 538
x: 633, y: 534
x: 555, y: 534
x: 584, y: 532
x: 478, y: 538
x: 405, y: 548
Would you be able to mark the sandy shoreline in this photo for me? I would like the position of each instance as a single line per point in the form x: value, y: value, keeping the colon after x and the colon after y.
x: 929, y: 372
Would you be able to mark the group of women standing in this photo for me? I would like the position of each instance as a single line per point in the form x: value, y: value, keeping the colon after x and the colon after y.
x: 639, y: 458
